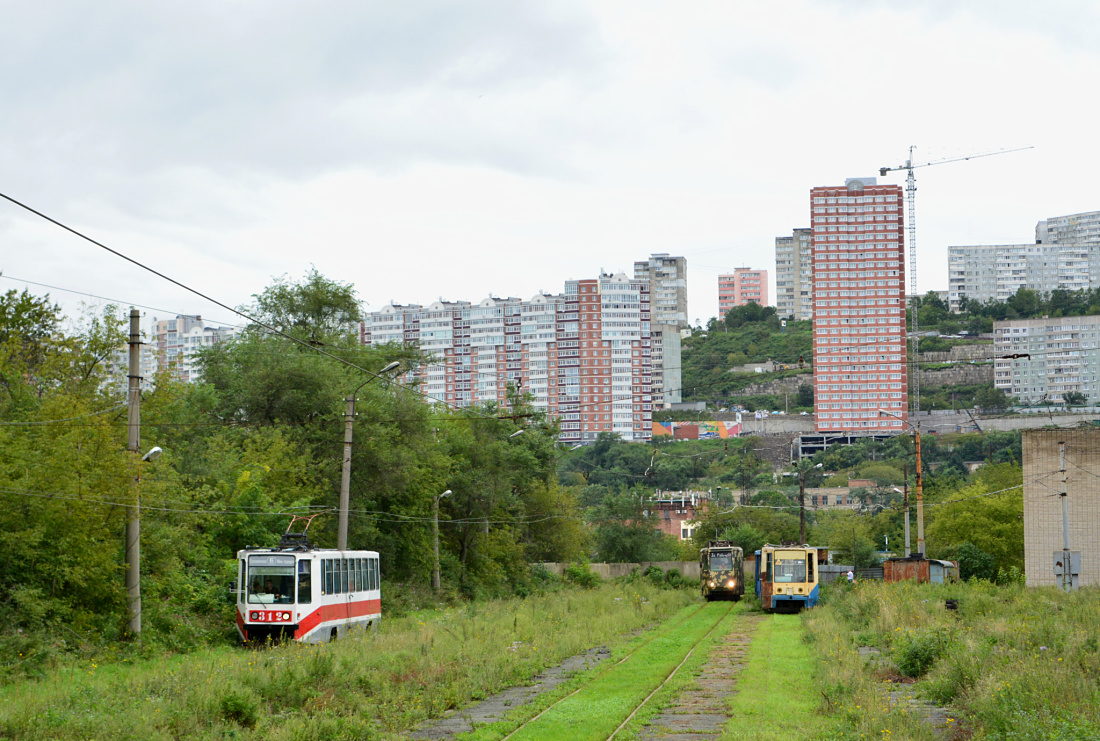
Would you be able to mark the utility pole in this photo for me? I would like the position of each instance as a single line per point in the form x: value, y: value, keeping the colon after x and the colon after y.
x: 905, y: 469
x: 133, y: 444
x: 920, y: 497
x: 802, y: 507
x: 345, y: 478
x: 435, y: 540
x: 1067, y: 557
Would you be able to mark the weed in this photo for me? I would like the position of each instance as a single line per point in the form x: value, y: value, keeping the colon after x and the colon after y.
x: 241, y: 708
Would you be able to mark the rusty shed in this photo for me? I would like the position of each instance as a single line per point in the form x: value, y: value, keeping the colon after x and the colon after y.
x: 923, y: 570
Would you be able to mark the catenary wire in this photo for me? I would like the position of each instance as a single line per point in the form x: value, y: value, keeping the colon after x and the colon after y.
x: 214, y: 301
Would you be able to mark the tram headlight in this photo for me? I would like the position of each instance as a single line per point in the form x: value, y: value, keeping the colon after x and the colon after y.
x: 712, y: 585
x: 286, y: 616
x: 253, y: 616
x: 730, y: 584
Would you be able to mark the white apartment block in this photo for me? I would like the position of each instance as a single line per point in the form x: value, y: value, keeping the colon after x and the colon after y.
x: 178, y: 341
x: 1061, y: 356
x: 585, y: 356
x: 1073, y: 229
x: 667, y: 278
x: 1065, y: 255
x: 793, y: 275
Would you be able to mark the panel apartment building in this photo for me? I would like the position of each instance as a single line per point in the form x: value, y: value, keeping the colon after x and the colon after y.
x: 1066, y: 255
x: 859, y: 298
x: 793, y: 276
x: 667, y: 277
x: 584, y: 355
x: 741, y: 287
x: 1061, y: 355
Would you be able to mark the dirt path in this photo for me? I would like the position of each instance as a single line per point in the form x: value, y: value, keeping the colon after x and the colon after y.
x: 493, y: 708
x: 699, y: 713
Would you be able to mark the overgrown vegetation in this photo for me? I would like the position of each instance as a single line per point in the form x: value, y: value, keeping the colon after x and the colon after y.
x: 260, y: 438
x: 373, y: 685
x: 1012, y: 662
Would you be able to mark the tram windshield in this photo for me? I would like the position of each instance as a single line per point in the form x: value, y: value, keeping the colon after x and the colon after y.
x: 790, y: 566
x: 721, y: 561
x: 271, y: 580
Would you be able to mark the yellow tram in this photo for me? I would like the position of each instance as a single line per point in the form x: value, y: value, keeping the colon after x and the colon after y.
x: 787, y: 577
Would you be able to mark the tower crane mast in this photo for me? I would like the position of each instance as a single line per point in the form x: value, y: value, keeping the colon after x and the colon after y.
x: 911, y: 203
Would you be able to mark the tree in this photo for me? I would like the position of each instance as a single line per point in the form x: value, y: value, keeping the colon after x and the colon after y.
x: 805, y: 396
x: 992, y: 399
x: 316, y: 308
x: 1074, y: 399
x: 625, y: 535
x: 993, y: 524
x: 974, y: 562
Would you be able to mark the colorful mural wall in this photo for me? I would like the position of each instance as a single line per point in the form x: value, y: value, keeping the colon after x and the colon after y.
x: 696, y: 430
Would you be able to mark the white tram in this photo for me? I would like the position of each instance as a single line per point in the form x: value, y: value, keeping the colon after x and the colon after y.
x: 309, y: 594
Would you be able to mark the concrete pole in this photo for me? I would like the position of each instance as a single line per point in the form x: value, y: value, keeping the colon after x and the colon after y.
x: 1067, y: 557
x: 345, y: 479
x: 435, y: 545
x: 920, y: 500
x: 133, y: 524
x: 906, y: 474
x: 802, y: 507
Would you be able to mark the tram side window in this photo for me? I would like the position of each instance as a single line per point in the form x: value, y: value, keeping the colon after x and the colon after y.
x: 810, y: 559
x: 374, y: 573
x: 358, y: 575
x: 343, y: 575
x: 305, y: 582
x: 768, y: 567
x: 327, y: 563
x: 240, y: 581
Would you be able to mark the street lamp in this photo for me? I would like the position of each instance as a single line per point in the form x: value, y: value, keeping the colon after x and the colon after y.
x: 345, y: 480
x: 435, y: 539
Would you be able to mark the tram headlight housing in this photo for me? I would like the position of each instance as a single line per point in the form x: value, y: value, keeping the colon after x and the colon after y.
x: 286, y: 616
x: 253, y: 616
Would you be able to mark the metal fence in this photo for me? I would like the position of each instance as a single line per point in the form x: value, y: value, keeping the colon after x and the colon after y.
x: 832, y: 572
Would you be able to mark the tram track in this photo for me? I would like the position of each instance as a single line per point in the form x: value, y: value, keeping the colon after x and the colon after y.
x: 529, y: 729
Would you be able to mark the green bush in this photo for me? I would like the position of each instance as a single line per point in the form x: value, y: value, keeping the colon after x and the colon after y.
x: 581, y: 575
x: 241, y: 708
x: 917, y: 652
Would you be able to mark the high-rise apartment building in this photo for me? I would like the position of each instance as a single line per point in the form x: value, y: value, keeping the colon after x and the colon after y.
x: 1065, y: 255
x: 667, y: 278
x: 1072, y: 229
x: 584, y: 355
x: 741, y: 287
x: 860, y: 382
x: 793, y: 278
x: 178, y: 341
x: 1038, y: 360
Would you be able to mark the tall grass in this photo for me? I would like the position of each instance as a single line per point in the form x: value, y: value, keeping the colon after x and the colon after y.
x: 1012, y: 662
x: 368, y: 686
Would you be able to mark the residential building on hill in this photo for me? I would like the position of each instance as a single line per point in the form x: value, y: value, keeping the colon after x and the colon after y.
x: 585, y: 355
x: 1037, y: 360
x: 1065, y: 255
x: 858, y: 263
x: 793, y: 276
x: 741, y: 287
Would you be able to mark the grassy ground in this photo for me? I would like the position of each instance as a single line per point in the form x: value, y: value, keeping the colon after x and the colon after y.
x: 608, y: 698
x: 776, y: 695
x: 366, y: 687
x: 1012, y: 664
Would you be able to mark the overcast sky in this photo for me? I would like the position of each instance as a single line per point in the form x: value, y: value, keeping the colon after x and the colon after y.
x: 462, y: 149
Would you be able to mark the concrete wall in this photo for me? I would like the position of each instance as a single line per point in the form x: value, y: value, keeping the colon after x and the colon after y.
x: 983, y: 351
x: 1043, y: 505
x: 688, y: 569
x: 957, y: 375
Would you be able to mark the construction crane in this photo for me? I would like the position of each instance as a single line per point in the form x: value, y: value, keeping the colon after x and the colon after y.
x: 911, y: 201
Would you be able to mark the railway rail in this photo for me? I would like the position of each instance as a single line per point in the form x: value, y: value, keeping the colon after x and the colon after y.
x: 531, y: 730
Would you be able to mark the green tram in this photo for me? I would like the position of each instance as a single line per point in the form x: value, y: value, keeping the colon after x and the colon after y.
x: 721, y: 571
